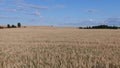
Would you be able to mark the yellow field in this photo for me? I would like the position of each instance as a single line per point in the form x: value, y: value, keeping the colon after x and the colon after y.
x: 52, y: 47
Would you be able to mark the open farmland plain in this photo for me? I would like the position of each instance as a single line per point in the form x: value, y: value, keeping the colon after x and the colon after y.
x: 55, y: 47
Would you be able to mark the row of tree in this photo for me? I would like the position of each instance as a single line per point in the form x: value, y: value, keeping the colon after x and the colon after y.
x: 12, y: 26
x: 100, y: 27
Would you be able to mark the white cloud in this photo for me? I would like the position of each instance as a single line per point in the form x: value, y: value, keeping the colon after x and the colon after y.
x: 59, y: 6
x: 41, y: 17
x: 91, y: 20
x: 8, y: 9
x: 92, y: 11
x: 20, y: 6
x: 37, y: 7
x: 18, y: 1
x: 23, y: 5
x: 9, y: 17
x: 36, y: 13
x: 112, y: 21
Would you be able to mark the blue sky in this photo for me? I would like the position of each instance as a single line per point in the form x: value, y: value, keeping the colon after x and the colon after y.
x: 60, y: 12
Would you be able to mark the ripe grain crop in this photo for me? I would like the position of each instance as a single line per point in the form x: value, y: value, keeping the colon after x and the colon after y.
x: 55, y: 47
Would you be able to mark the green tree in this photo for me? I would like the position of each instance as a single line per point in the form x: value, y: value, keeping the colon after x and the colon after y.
x: 13, y: 26
x: 19, y: 25
x: 8, y: 25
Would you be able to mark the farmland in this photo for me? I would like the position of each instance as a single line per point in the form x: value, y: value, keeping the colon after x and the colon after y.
x: 56, y: 47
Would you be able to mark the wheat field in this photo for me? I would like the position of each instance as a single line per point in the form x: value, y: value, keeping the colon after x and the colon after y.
x: 56, y: 47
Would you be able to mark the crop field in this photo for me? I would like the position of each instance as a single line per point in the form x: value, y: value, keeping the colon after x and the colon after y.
x: 56, y: 47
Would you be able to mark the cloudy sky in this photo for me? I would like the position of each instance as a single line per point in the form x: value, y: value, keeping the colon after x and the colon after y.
x: 60, y: 12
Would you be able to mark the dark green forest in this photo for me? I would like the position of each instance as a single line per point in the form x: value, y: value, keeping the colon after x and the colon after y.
x: 100, y: 27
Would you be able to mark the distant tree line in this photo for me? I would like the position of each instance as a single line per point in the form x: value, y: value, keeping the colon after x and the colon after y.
x: 11, y: 26
x: 100, y: 27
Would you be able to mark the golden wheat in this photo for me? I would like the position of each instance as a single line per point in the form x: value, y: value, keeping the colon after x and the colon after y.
x: 52, y: 47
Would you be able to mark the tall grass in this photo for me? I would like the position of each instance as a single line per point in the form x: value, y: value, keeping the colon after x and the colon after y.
x: 59, y: 48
